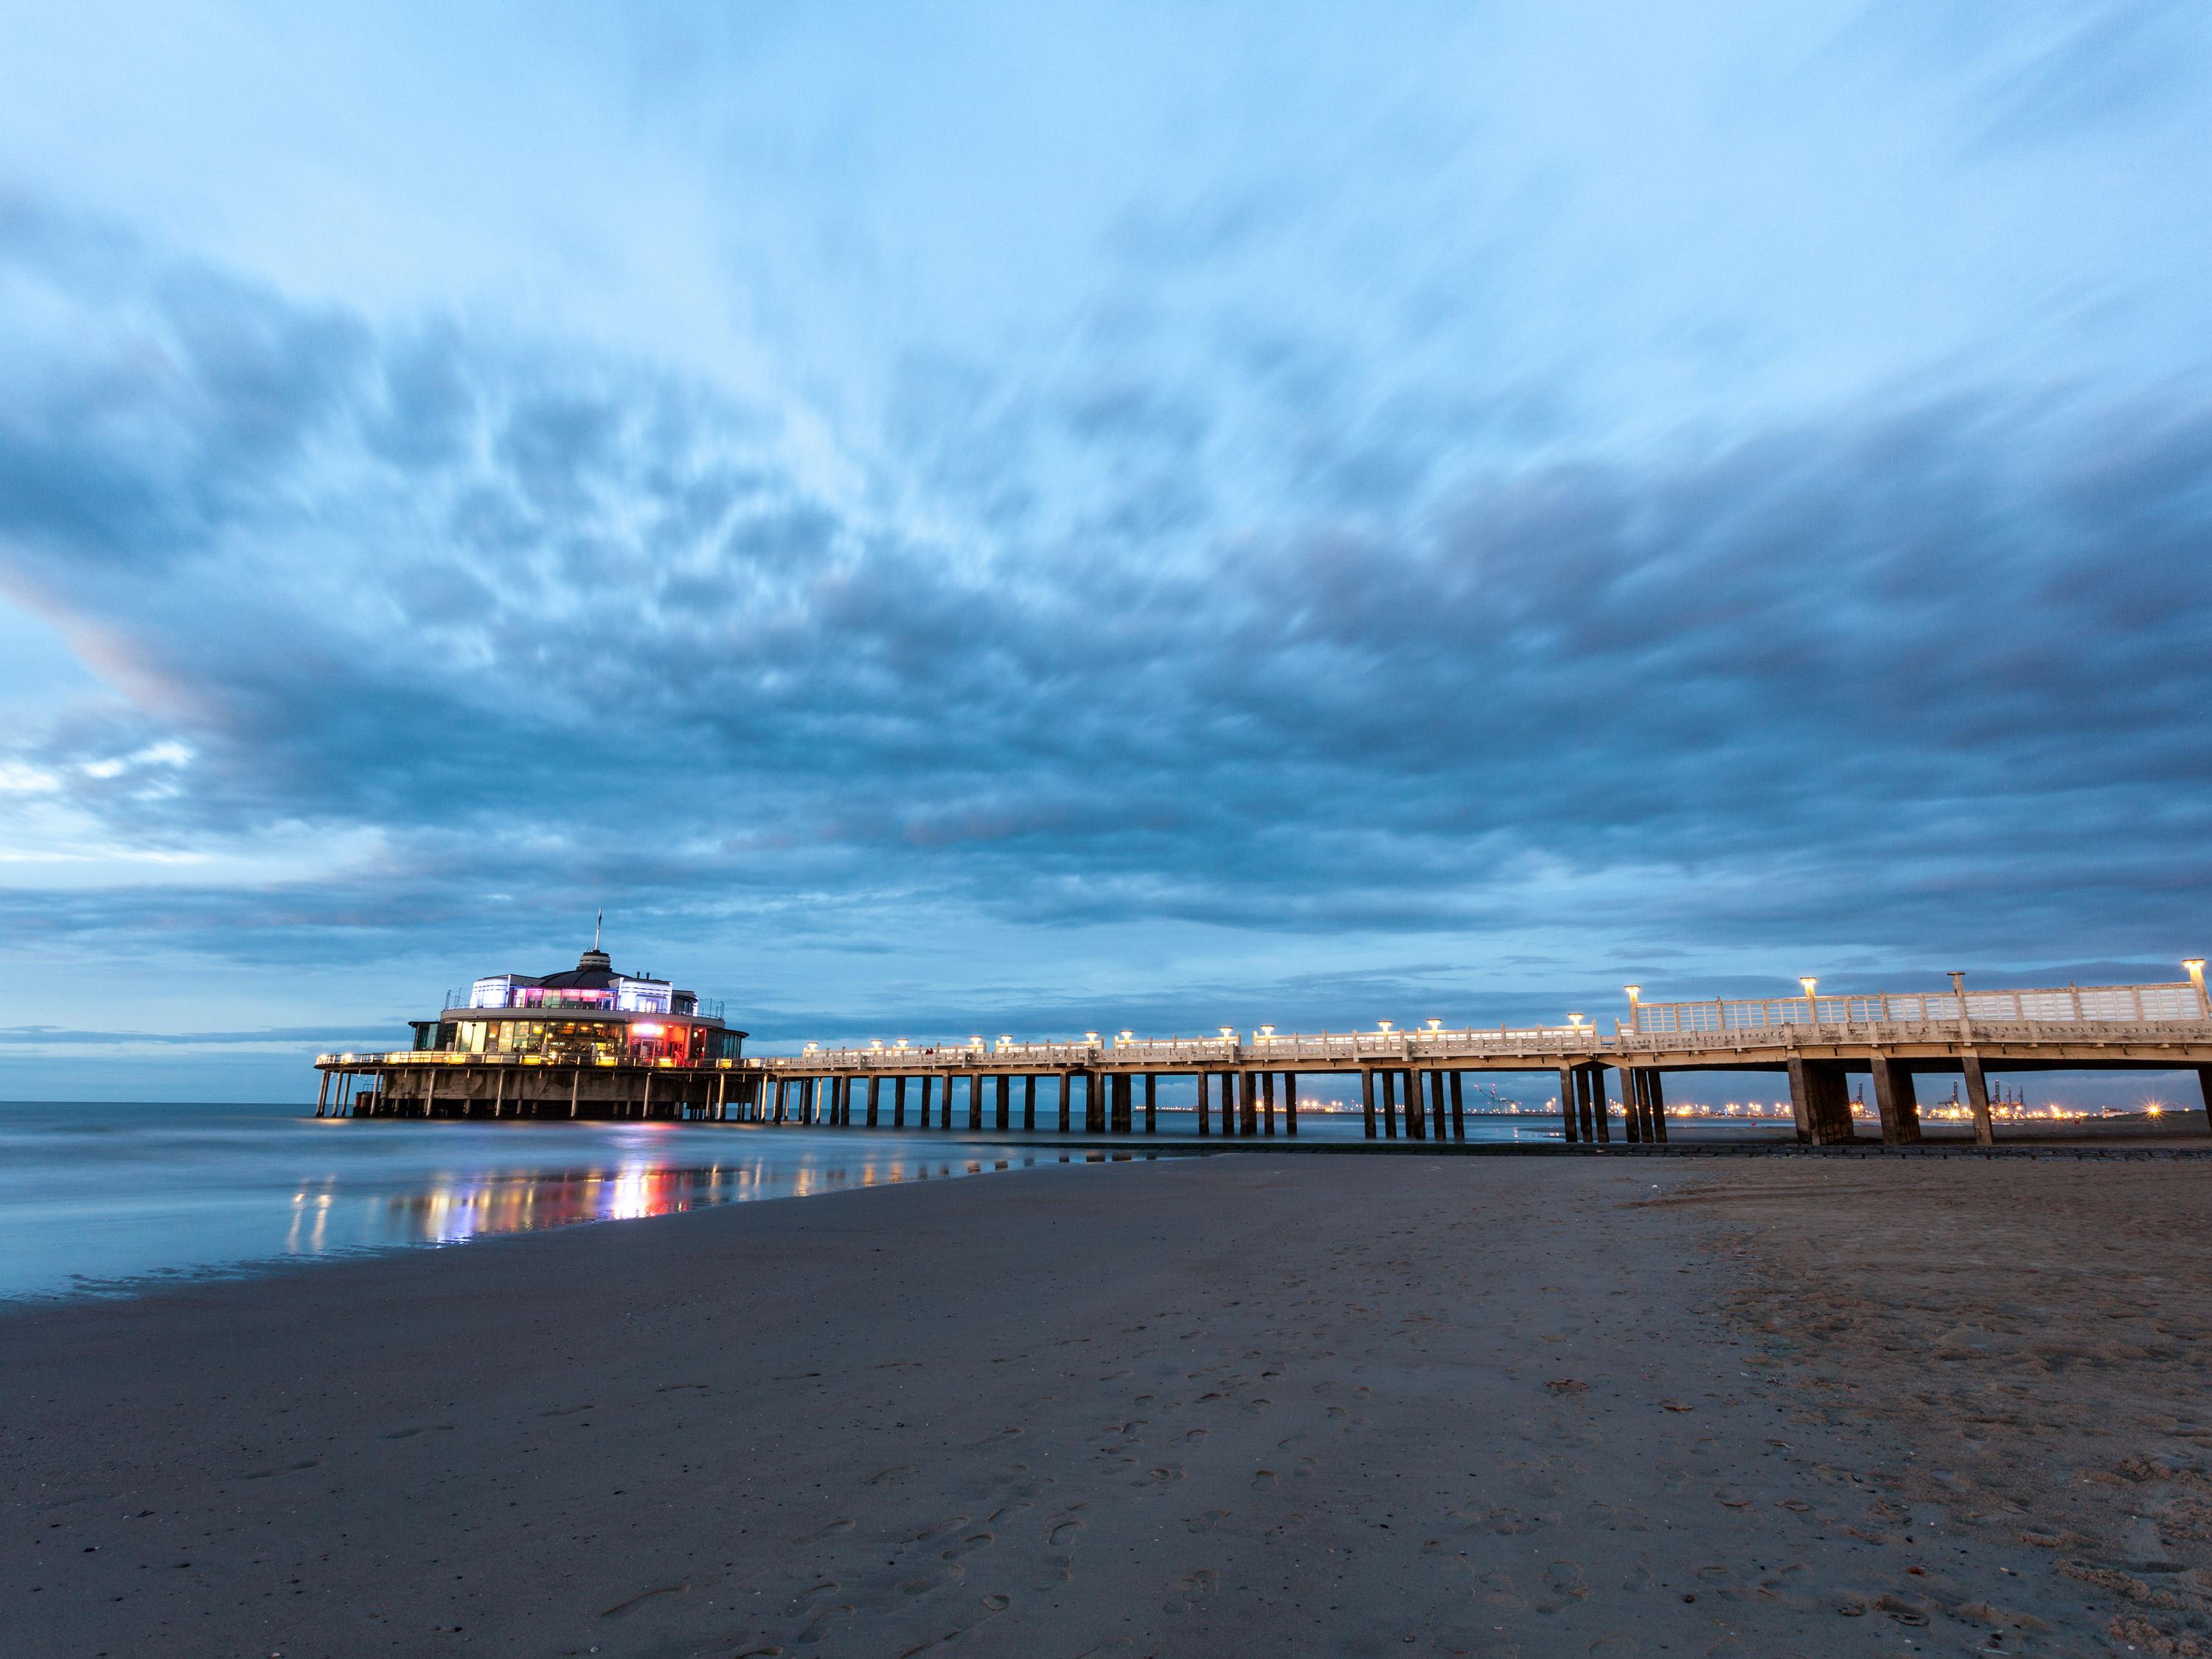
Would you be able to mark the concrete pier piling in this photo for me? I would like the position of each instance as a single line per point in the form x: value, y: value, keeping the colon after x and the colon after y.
x: 1895, y: 1102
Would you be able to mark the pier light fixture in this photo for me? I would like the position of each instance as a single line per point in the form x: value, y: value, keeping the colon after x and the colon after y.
x: 1228, y: 1032
x: 813, y: 1048
x: 1634, y: 991
x: 1575, y: 1020
x: 901, y: 1043
x: 1006, y: 1039
x: 1808, y: 981
x: 2195, y: 967
x: 1128, y: 1036
x: 1435, y: 1025
x: 1091, y: 1037
x: 1382, y: 1024
x: 1267, y: 1031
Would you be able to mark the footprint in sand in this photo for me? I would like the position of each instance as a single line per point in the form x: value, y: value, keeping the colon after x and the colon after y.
x: 968, y: 1545
x: 1563, y: 1582
x: 1205, y: 1523
x: 1060, y: 1531
x: 936, y: 1578
x: 890, y: 1476
x: 807, y: 1598
x: 1166, y: 1475
x: 1253, y: 1408
x: 1262, y: 1478
x: 1193, y: 1437
x: 1051, y: 1570
x: 427, y: 1428
x: 1289, y: 1441
x: 1306, y: 1467
x: 818, y: 1626
x: 1190, y: 1590
x: 844, y: 1523
x: 998, y: 1439
x: 643, y: 1596
x: 997, y: 1603
x: 936, y: 1529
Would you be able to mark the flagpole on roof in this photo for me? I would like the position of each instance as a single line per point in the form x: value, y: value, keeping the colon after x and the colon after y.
x: 598, y: 922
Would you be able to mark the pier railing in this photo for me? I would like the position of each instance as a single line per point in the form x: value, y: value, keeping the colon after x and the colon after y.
x: 2072, y: 1005
x: 2161, y: 1015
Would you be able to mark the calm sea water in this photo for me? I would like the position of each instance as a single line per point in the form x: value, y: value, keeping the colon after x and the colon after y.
x: 108, y: 1199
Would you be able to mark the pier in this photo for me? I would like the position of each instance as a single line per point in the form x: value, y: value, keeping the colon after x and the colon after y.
x: 1611, y: 1084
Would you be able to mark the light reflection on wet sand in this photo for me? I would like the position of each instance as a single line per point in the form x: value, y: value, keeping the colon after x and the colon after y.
x: 107, y: 1199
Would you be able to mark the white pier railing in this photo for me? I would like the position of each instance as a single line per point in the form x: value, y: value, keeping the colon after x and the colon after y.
x: 2072, y: 1005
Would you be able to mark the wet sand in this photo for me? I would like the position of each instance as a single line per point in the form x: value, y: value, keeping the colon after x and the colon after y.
x: 1241, y: 1405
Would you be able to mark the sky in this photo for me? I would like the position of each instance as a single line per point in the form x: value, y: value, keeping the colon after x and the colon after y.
x: 1036, y: 519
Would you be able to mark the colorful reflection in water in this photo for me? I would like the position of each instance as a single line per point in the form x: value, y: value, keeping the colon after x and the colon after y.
x: 108, y: 1199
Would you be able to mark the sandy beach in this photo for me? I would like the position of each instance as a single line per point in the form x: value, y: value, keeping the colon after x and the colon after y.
x: 1238, y: 1405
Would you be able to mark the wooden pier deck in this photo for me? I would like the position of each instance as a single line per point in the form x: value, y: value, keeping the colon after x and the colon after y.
x: 1411, y: 1081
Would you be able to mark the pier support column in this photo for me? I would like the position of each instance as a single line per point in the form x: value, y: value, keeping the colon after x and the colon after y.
x: 1367, y: 1098
x: 1978, y: 1100
x: 1655, y: 1109
x: 1601, y: 1108
x: 898, y: 1103
x: 1458, y: 1111
x: 322, y: 1096
x: 875, y: 1098
x: 928, y: 1082
x: 1894, y: 1099
x: 1029, y: 1101
x: 1632, y: 1105
x: 1436, y: 1100
x: 1389, y: 1075
x: 1267, y: 1103
x: 1006, y: 1110
x: 1289, y: 1103
x: 1583, y: 1104
x: 1205, y: 1110
x: 1067, y: 1088
x: 1567, y: 1124
x: 1821, y: 1101
x: 975, y: 1100
x: 1151, y: 1101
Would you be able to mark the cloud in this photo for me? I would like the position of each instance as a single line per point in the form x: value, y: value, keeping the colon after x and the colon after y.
x: 1145, y: 560
x: 540, y: 619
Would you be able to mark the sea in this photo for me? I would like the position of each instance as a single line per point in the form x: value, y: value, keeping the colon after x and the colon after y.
x: 99, y: 1199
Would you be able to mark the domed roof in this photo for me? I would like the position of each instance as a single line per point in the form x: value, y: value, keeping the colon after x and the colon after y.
x: 594, y: 971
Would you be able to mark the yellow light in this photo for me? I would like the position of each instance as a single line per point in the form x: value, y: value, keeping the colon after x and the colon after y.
x: 1435, y: 1025
x: 1808, y: 982
x: 1382, y: 1024
x: 1634, y: 991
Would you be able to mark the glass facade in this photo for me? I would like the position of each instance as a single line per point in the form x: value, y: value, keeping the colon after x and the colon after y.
x: 581, y: 1041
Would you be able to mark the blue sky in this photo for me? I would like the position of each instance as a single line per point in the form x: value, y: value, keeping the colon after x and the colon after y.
x: 1032, y: 519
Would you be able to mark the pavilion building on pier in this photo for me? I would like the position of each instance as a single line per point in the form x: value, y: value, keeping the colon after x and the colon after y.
x: 590, y: 1041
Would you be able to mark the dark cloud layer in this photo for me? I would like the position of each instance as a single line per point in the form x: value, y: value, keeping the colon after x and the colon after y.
x: 512, y: 628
